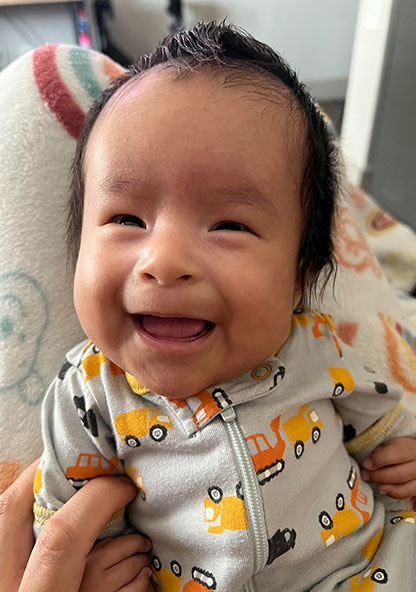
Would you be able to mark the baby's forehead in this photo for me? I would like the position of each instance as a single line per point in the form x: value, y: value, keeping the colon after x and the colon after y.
x: 201, y: 96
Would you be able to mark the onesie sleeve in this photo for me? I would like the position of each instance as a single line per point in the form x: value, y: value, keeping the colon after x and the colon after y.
x: 78, y: 446
x: 370, y: 407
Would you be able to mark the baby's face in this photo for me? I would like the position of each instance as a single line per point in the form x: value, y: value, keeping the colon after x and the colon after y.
x: 187, y: 273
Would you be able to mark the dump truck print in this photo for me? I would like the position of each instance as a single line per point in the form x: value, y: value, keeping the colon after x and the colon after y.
x: 341, y: 523
x: 166, y: 579
x: 301, y: 427
x: 341, y: 381
x: 202, y: 580
x: 92, y: 363
x: 137, y: 479
x: 267, y: 459
x: 409, y: 517
x: 136, y: 424
x: 224, y: 513
x: 367, y: 581
x: 87, y: 467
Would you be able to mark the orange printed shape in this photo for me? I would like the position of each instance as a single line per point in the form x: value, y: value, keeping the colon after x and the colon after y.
x: 370, y: 548
x: 267, y: 459
x: 37, y: 483
x: 347, y: 332
x: 351, y: 248
x: 87, y: 467
x: 379, y: 221
x: 224, y: 513
x: 9, y: 471
x: 399, y: 355
x: 92, y: 365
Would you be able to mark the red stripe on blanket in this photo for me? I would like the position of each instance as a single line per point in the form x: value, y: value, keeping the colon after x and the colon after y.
x: 54, y: 92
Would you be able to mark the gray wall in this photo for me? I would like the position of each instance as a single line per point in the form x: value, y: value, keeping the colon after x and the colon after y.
x: 391, y: 173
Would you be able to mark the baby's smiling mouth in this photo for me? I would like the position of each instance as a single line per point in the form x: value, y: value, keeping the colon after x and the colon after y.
x: 173, y: 328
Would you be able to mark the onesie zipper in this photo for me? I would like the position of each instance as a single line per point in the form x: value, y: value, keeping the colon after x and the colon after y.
x: 251, y: 491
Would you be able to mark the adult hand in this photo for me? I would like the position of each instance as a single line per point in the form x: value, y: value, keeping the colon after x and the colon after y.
x: 58, y: 558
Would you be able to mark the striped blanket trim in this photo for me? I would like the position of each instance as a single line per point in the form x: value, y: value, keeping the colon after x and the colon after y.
x: 90, y: 70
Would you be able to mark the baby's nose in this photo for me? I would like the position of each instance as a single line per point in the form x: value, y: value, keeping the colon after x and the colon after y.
x: 168, y: 263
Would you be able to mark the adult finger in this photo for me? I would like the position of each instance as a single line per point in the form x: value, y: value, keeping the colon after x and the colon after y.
x: 141, y: 583
x: 108, y: 552
x: 16, y: 534
x: 58, y: 559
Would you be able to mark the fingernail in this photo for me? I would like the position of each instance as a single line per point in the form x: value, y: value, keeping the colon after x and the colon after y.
x: 382, y: 490
x: 368, y: 463
x: 365, y: 476
x: 147, y: 572
x: 147, y: 544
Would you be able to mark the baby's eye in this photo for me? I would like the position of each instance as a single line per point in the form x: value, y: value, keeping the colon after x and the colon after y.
x: 227, y: 225
x: 127, y: 220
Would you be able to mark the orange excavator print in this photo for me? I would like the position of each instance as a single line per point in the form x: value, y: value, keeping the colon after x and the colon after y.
x: 357, y: 496
x: 87, y: 467
x: 267, y: 459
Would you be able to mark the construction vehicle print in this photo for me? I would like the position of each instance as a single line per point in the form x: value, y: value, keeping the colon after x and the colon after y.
x: 264, y: 371
x: 409, y: 517
x: 303, y: 426
x: 137, y: 479
x: 209, y: 404
x: 341, y: 381
x: 224, y: 513
x: 87, y: 467
x: 371, y: 546
x: 343, y: 521
x: 281, y: 542
x: 92, y: 363
x: 367, y: 581
x: 267, y: 460
x: 133, y: 425
x: 37, y: 482
x: 166, y: 578
x: 357, y: 496
x: 87, y: 416
x: 202, y: 580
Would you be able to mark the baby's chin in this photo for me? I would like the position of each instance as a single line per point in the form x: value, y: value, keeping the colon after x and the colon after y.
x: 172, y: 389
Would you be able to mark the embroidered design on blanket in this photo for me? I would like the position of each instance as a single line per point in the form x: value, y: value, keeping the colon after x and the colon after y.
x: 23, y: 323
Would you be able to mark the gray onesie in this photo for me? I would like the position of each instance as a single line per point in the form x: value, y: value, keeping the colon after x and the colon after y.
x: 247, y: 485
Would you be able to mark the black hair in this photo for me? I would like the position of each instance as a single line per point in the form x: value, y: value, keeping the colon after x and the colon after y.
x: 226, y: 48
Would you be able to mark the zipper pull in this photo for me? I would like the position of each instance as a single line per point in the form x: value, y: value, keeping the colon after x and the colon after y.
x: 229, y: 414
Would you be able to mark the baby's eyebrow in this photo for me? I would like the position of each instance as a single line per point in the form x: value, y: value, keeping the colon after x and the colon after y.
x: 247, y: 195
x: 117, y: 184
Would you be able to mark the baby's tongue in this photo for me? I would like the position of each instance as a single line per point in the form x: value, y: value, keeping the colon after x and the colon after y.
x: 172, y: 327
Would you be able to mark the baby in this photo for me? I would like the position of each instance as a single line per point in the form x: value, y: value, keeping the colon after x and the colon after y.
x: 201, y: 217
